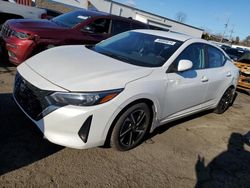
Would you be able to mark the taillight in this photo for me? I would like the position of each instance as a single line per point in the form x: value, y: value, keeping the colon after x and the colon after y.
x: 44, y: 16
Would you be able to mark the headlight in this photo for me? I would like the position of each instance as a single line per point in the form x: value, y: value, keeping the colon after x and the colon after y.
x: 21, y: 35
x: 81, y: 99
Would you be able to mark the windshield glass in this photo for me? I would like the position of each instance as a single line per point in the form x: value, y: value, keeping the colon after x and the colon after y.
x: 71, y: 19
x: 245, y: 58
x: 139, y: 48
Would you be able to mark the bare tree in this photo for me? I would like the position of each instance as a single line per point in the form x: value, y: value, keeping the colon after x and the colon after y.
x: 246, y: 41
x: 181, y: 17
x: 237, y: 40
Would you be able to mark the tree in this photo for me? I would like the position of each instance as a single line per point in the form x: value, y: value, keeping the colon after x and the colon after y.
x: 237, y: 40
x: 181, y: 17
x: 246, y: 41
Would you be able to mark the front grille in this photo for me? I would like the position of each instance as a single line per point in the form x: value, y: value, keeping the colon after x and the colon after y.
x: 30, y: 98
x: 6, y: 31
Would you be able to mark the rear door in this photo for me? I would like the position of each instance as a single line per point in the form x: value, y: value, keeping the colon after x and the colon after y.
x: 218, y: 74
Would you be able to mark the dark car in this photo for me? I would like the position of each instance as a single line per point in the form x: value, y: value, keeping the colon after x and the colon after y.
x: 24, y: 38
x: 234, y: 53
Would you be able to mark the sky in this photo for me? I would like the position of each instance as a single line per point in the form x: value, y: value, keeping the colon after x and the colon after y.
x: 210, y: 15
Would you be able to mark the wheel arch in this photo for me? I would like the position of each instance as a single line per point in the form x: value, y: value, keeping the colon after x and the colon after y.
x: 149, y: 102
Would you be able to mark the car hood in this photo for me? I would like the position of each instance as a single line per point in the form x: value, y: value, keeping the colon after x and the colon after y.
x: 33, y: 25
x: 76, y: 68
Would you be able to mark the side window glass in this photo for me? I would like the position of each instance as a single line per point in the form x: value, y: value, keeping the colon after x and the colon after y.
x: 194, y: 53
x: 137, y: 26
x: 215, y: 57
x: 100, y: 26
x: 119, y: 26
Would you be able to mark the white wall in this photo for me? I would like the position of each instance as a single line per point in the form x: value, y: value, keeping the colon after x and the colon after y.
x: 126, y: 11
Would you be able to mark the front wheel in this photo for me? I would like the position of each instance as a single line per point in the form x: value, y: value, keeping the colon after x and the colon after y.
x: 225, y: 101
x: 131, y: 127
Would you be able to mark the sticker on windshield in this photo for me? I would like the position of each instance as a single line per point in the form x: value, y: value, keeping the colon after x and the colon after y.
x: 82, y: 17
x: 163, y: 41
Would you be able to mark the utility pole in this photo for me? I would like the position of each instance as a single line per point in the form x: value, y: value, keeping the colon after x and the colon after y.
x: 111, y: 7
x: 226, y: 25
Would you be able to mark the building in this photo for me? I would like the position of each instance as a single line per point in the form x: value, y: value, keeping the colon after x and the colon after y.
x: 155, y: 21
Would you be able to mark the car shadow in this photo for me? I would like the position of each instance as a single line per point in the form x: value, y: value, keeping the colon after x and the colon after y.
x: 231, y: 168
x: 21, y: 143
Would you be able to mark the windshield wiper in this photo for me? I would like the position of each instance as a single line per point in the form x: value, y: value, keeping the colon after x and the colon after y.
x: 116, y: 56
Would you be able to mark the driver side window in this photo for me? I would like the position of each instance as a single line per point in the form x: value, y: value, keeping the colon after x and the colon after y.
x: 100, y: 26
x: 195, y: 53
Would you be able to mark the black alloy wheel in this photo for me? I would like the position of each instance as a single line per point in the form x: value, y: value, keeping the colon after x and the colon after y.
x: 131, y: 127
x: 225, y: 101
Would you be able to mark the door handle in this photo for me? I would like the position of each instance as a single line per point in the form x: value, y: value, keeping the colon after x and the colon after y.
x: 229, y: 74
x: 204, y: 79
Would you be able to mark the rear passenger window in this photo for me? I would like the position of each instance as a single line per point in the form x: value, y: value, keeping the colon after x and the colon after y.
x: 135, y: 25
x: 215, y: 57
x: 119, y: 26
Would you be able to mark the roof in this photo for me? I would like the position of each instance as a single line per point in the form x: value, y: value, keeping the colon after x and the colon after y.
x: 97, y: 13
x: 92, y: 12
x: 167, y: 34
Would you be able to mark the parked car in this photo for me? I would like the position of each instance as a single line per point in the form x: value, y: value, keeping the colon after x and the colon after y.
x: 9, y: 10
x: 234, y: 53
x: 244, y: 65
x: 123, y: 87
x: 24, y: 38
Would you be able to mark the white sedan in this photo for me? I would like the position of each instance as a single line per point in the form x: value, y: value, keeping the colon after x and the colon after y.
x: 122, y: 88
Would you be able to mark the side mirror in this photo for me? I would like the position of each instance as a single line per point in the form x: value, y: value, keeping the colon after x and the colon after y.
x: 184, y: 65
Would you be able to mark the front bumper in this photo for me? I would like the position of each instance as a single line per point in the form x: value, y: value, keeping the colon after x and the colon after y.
x: 66, y: 125
x: 62, y: 126
x: 17, y: 49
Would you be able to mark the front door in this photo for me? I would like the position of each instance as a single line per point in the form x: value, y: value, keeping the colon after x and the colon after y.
x: 186, y: 90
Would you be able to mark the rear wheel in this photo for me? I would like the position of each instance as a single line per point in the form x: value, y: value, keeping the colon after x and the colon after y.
x: 225, y: 101
x: 131, y: 127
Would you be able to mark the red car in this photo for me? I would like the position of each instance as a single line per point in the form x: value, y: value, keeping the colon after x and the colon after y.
x: 22, y: 38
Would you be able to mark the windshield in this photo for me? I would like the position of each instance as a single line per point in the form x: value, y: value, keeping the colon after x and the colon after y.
x: 139, y: 48
x: 71, y: 19
x: 245, y: 58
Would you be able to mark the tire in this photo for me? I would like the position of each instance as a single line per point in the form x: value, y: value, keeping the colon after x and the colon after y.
x: 131, y: 127
x: 225, y: 101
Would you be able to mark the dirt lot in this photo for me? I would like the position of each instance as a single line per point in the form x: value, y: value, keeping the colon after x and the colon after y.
x: 205, y: 149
